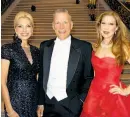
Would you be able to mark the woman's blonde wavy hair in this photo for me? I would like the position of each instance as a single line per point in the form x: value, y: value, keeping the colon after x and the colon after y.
x: 121, y: 44
x: 23, y: 14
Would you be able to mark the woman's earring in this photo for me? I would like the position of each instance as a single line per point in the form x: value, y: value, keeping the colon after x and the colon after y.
x: 16, y: 35
x: 115, y: 32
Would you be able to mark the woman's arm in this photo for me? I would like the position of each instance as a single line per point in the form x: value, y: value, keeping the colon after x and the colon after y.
x: 5, y: 94
x: 114, y: 89
x: 4, y: 73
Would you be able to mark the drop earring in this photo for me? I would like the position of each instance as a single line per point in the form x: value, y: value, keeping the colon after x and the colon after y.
x: 16, y: 35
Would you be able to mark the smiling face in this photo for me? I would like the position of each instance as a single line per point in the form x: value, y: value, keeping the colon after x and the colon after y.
x: 23, y: 28
x: 62, y: 25
x: 108, y: 27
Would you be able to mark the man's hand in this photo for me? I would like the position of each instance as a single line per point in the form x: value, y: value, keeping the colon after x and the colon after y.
x: 40, y: 110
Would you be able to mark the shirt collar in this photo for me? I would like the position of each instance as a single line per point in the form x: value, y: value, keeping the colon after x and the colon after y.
x: 67, y: 40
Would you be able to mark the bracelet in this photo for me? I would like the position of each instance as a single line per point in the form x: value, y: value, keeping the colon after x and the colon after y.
x: 10, y: 113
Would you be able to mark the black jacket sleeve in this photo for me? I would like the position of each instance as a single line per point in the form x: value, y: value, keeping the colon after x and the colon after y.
x: 41, y: 93
x: 88, y: 70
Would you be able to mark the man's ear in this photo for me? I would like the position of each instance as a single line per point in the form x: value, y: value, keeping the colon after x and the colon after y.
x: 53, y: 25
x: 72, y: 25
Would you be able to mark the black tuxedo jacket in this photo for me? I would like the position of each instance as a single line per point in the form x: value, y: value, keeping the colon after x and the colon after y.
x: 79, y: 73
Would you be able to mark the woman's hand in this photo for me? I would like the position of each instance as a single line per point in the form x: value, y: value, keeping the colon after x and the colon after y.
x: 114, y: 89
x: 13, y: 114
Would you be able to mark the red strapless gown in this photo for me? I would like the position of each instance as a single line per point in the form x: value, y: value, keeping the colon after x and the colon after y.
x: 99, y: 102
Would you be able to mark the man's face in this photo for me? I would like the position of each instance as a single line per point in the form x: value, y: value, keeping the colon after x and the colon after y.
x: 62, y: 25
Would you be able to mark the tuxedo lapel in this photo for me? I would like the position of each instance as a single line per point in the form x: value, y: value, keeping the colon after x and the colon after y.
x: 46, y: 63
x: 73, y: 61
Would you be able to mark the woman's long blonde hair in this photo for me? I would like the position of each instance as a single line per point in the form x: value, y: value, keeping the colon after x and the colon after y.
x: 121, y: 44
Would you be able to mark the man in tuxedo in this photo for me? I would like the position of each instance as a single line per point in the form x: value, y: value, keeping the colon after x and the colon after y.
x: 65, y: 70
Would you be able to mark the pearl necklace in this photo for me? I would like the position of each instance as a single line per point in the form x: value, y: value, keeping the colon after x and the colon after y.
x: 106, y: 45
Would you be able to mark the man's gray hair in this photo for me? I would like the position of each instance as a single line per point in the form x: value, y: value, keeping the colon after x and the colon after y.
x: 61, y: 10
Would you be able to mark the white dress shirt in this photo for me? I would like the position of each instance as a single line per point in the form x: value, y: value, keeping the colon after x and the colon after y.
x: 58, y: 69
